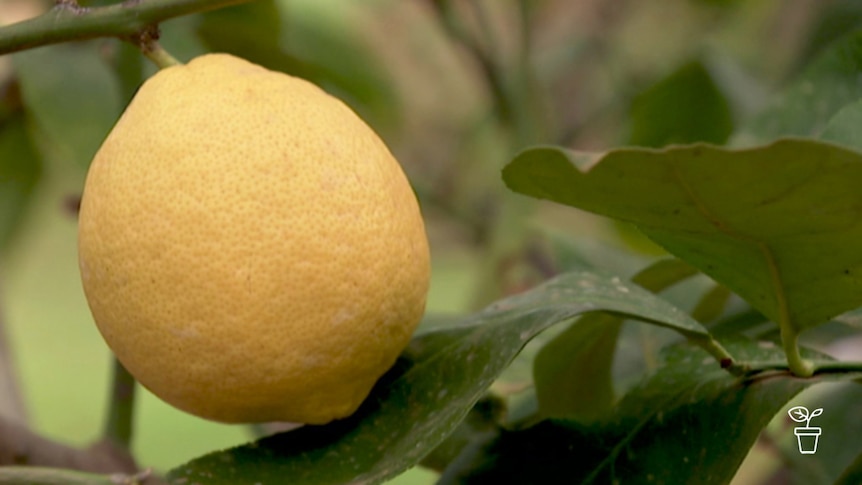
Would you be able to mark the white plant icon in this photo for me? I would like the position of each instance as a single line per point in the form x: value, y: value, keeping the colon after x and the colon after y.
x: 800, y: 414
x: 806, y: 437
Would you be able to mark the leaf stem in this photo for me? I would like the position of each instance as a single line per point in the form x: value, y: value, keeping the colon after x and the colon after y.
x: 119, y: 425
x: 68, y: 21
x: 790, y: 343
x: 715, y: 349
x: 160, y: 57
x: 754, y: 368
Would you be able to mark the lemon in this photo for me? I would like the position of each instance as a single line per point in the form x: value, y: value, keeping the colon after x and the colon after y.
x: 249, y: 248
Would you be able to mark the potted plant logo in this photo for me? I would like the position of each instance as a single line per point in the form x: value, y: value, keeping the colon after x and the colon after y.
x: 807, y: 436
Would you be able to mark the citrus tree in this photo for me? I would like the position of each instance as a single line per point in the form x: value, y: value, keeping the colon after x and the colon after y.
x: 252, y: 252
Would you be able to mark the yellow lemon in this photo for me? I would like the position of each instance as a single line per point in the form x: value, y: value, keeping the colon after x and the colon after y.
x: 249, y: 247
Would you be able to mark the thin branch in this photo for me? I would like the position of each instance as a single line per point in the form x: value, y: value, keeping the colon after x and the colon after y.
x: 68, y: 21
x: 121, y: 409
x: 11, y: 402
x: 20, y: 446
x: 56, y: 476
x: 488, y: 65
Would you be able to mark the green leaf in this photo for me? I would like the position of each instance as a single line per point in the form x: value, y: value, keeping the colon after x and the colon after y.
x: 251, y: 31
x: 573, y: 372
x: 318, y: 36
x: 829, y: 83
x: 712, y: 304
x: 687, y: 423
x: 844, y: 127
x: 482, y: 424
x: 685, y: 107
x: 769, y: 222
x: 71, y: 95
x: 128, y: 65
x: 309, y: 39
x: 832, y: 22
x: 853, y: 474
x: 20, y: 169
x: 438, y: 379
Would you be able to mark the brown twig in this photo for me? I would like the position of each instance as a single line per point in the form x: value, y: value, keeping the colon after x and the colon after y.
x: 20, y: 446
x: 11, y: 402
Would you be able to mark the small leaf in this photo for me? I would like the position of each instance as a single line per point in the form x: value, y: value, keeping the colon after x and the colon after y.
x: 425, y: 396
x: 685, y: 107
x: 767, y: 222
x: 20, y: 169
x: 844, y: 127
x: 572, y: 372
x: 71, y: 95
x: 711, y: 305
x: 687, y: 423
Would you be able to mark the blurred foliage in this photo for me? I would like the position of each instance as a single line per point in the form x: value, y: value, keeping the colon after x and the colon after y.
x: 685, y: 107
x: 456, y: 88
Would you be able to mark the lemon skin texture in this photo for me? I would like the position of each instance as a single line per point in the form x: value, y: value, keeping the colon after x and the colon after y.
x: 249, y: 248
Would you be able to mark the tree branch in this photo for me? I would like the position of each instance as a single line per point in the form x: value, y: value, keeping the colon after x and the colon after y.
x: 68, y: 21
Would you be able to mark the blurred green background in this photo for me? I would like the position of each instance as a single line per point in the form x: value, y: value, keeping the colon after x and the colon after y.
x: 455, y: 87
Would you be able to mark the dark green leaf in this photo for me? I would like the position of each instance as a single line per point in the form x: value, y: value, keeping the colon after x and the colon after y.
x: 853, y: 474
x: 72, y: 96
x: 308, y: 39
x: 425, y: 396
x: 128, y: 64
x: 768, y: 222
x: 685, y: 107
x: 573, y: 372
x: 834, y: 20
x: 688, y: 423
x: 743, y: 322
x: 480, y: 425
x: 251, y: 31
x: 20, y: 168
x: 320, y: 40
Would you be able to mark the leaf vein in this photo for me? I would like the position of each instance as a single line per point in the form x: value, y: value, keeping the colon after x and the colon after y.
x: 762, y: 247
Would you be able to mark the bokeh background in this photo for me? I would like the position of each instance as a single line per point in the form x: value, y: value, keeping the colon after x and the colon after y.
x: 455, y: 87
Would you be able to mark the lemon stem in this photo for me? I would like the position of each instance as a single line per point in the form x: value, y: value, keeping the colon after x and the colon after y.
x: 160, y: 57
x: 118, y: 428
